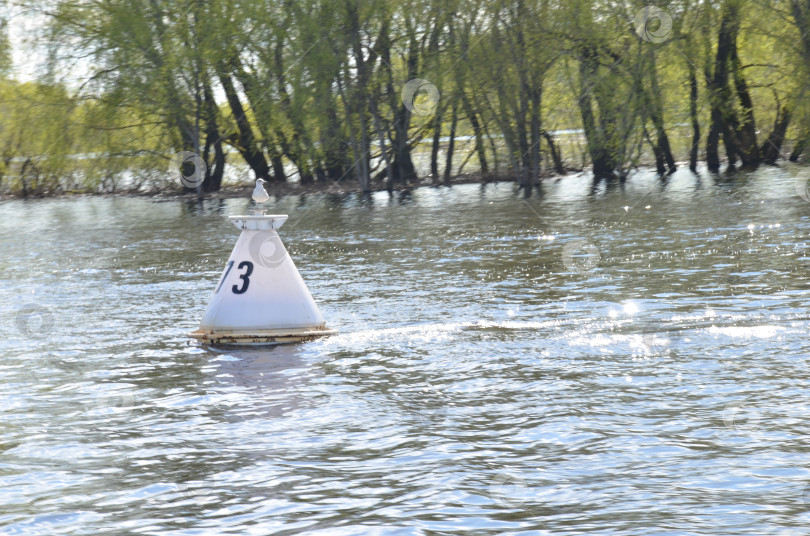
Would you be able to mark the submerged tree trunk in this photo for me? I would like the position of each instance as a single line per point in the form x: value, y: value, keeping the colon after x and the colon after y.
x: 660, y: 168
x: 747, y: 131
x: 800, y: 146
x: 693, y: 115
x: 559, y: 168
x: 245, y: 141
x: 800, y: 9
x: 479, y: 135
x: 333, y: 146
x: 536, y: 97
x: 719, y: 91
x: 772, y: 147
x: 655, y: 109
x: 213, y: 176
x: 739, y: 135
x: 402, y: 166
x: 434, y: 150
x: 278, y: 167
x: 601, y: 159
x: 298, y: 148
x: 451, y: 144
x: 360, y: 173
x: 383, y: 149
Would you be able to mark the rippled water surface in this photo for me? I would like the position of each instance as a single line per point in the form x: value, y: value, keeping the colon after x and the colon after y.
x: 627, y: 361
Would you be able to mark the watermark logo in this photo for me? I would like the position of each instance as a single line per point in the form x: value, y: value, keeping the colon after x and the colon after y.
x: 189, y: 168
x: 55, y: 362
x: 508, y: 490
x: 196, y: 491
x: 432, y: 406
x: 742, y: 417
x: 34, y: 321
x: 113, y: 403
x: 653, y: 24
x: 580, y: 256
x: 267, y: 250
x: 660, y: 343
x: 420, y: 96
x: 806, y: 495
x: 801, y: 185
x: 187, y: 490
x: 348, y: 368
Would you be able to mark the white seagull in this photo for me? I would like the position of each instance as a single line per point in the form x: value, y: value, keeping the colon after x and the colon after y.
x: 259, y: 194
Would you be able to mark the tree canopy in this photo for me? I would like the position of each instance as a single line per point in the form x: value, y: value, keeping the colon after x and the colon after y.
x: 139, y: 93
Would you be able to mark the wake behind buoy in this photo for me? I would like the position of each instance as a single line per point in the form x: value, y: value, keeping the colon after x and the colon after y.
x: 260, y: 297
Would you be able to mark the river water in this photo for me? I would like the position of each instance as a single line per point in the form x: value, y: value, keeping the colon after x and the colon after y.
x: 621, y: 361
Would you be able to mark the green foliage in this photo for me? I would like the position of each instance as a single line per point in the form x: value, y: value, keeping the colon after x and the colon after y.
x: 5, y: 48
x: 313, y: 89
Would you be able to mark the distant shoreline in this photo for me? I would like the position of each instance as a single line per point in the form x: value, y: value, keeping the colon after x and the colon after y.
x: 281, y: 189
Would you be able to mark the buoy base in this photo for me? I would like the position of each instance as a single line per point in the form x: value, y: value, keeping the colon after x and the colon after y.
x: 260, y: 337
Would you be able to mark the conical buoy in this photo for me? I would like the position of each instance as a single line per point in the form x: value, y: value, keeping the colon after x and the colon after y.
x: 260, y: 297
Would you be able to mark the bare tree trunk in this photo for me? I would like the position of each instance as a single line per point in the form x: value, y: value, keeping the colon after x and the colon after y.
x: 693, y: 114
x: 213, y: 176
x: 772, y: 147
x: 298, y: 150
x: 800, y: 146
x: 478, y: 133
x: 332, y: 139
x: 434, y: 150
x: 246, y: 142
x: 719, y: 92
x: 536, y: 97
x: 360, y: 173
x: 739, y: 136
x: 523, y: 142
x: 278, y: 167
x: 747, y: 131
x: 712, y: 141
x: 656, y: 113
x: 601, y: 160
x: 402, y: 166
x: 451, y: 143
x: 360, y: 97
x: 800, y: 9
x: 559, y: 168
x: 383, y: 150
x: 660, y: 168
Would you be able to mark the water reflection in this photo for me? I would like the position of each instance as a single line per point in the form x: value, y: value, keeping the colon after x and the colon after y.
x: 271, y: 379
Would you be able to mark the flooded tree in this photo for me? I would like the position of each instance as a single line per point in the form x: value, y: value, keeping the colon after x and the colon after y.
x: 381, y: 94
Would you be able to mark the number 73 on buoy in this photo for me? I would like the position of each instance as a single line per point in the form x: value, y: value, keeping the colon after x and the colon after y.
x: 260, y: 297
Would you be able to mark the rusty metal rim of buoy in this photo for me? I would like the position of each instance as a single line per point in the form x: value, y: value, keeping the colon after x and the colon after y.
x: 261, y: 337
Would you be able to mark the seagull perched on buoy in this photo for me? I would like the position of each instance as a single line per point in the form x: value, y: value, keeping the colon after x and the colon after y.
x: 259, y: 194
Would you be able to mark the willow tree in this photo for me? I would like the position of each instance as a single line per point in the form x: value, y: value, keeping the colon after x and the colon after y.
x: 5, y: 69
x: 732, y: 110
x: 799, y: 15
x: 608, y: 91
x: 524, y: 33
x: 146, y: 57
x: 38, y: 131
x: 5, y: 48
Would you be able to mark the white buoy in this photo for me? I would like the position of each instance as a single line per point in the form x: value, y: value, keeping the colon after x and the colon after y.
x: 260, y: 297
